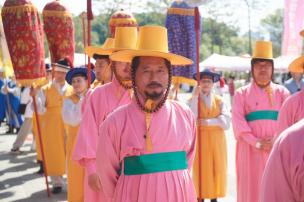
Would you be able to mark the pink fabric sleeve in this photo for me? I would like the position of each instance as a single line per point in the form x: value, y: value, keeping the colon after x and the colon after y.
x: 85, y: 100
x: 107, y: 162
x: 191, y: 152
x: 275, y: 186
x: 297, y: 178
x: 90, y: 165
x: 86, y: 145
x: 286, y: 94
x: 285, y: 116
x: 241, y: 129
x: 283, y: 179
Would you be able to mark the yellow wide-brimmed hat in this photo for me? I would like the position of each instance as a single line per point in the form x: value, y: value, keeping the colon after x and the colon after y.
x: 297, y: 66
x: 263, y: 50
x: 105, y: 49
x: 125, y: 38
x: 152, y: 41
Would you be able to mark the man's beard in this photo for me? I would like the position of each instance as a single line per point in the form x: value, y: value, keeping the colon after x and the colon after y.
x: 127, y: 84
x: 154, y: 95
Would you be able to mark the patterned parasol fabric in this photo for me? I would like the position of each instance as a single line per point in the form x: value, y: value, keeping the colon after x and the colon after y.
x: 180, y: 23
x: 59, y: 30
x: 24, y: 35
x: 121, y: 19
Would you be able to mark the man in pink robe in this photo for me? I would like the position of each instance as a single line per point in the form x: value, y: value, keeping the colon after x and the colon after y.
x: 254, y: 118
x: 292, y: 110
x: 283, y: 179
x: 102, y: 101
x: 148, y: 146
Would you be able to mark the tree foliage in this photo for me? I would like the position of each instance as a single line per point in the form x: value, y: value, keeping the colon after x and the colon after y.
x: 273, y: 23
x: 218, y: 36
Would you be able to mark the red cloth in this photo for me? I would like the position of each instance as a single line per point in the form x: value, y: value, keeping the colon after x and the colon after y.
x: 222, y: 82
x: 24, y: 35
x: 121, y: 19
x: 59, y: 29
x: 231, y: 88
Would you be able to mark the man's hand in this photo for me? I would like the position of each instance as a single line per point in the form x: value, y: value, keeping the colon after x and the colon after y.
x: 33, y: 92
x: 197, y: 91
x: 203, y: 122
x: 5, y: 89
x: 94, y: 182
x: 266, y: 144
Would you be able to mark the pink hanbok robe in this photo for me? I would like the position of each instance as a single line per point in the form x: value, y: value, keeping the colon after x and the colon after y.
x: 250, y: 161
x: 283, y: 179
x: 100, y: 102
x: 292, y: 111
x: 172, y: 129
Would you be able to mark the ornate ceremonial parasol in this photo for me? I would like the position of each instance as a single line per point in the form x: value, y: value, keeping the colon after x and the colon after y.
x: 59, y: 30
x: 24, y: 36
x: 121, y: 18
x: 180, y: 23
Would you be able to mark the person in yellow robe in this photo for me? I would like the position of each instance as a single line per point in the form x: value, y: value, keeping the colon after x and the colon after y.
x: 71, y: 115
x: 48, y: 69
x: 214, y: 119
x: 49, y: 104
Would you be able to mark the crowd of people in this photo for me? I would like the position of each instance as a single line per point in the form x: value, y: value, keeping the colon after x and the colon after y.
x: 121, y: 139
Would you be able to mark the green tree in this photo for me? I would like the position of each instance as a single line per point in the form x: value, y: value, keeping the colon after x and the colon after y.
x: 273, y: 23
x: 218, y: 37
x: 152, y: 18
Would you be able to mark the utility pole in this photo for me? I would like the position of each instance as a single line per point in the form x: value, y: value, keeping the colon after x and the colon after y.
x: 249, y: 27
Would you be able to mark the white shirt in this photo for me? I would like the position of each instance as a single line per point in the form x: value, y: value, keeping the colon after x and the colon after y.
x: 71, y: 112
x: 41, y: 99
x: 223, y: 120
x: 25, y: 98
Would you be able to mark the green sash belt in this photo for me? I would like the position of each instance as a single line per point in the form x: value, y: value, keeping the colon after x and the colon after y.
x: 262, y: 115
x: 153, y: 163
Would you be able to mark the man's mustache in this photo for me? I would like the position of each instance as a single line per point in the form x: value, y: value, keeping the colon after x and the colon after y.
x: 154, y: 84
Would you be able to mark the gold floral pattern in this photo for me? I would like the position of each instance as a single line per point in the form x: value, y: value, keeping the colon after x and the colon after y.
x: 22, y: 30
x: 59, y: 29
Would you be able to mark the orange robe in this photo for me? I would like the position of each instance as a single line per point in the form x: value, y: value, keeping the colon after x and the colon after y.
x: 75, y: 172
x: 53, y: 130
x: 213, y: 153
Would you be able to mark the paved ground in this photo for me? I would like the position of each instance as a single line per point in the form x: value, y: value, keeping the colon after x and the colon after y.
x: 19, y: 183
x: 18, y: 179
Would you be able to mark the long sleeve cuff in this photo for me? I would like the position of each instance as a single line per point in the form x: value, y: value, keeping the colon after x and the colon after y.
x: 220, y: 121
x: 90, y: 166
x: 249, y: 138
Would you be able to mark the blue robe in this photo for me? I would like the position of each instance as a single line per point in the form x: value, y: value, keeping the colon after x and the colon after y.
x: 12, y: 104
x: 2, y: 102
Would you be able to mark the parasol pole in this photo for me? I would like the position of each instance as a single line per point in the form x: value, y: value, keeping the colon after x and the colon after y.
x: 83, y: 16
x: 197, y: 38
x: 89, y: 17
x: 41, y: 145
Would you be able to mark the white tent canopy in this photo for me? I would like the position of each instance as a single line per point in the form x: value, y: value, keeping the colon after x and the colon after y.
x: 237, y: 63
x: 226, y: 63
x: 79, y: 59
x: 282, y: 62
